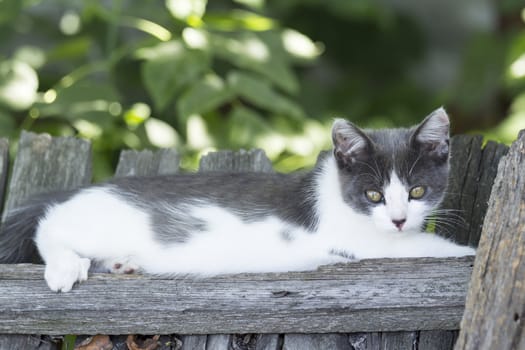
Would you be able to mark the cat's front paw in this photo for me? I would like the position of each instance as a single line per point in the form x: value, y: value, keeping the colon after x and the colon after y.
x: 62, y: 274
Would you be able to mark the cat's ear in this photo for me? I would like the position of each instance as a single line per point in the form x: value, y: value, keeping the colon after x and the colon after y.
x: 432, y: 134
x: 350, y: 143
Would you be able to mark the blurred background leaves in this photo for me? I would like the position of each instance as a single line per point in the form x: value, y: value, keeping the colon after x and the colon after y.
x: 202, y: 75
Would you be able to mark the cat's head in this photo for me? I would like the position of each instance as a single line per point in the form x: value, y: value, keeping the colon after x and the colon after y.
x: 396, y: 176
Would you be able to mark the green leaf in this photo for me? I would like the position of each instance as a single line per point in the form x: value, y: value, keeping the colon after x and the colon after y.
x: 239, y: 19
x: 258, y: 53
x: 203, y: 96
x: 255, y: 4
x: 69, y: 342
x: 186, y: 10
x: 167, y: 74
x: 18, y: 85
x: 69, y: 49
x: 259, y: 92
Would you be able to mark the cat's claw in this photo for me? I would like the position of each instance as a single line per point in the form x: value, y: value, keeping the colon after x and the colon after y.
x: 62, y: 274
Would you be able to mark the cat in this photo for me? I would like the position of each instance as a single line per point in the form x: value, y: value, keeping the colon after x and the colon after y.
x: 368, y: 198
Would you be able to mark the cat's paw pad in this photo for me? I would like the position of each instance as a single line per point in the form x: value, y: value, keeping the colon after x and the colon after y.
x: 62, y: 275
x: 123, y: 268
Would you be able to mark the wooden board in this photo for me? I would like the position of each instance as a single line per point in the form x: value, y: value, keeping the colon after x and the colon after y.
x: 366, y: 296
x: 144, y: 163
x: 45, y: 164
x: 473, y: 169
x: 253, y: 160
x: 495, y: 312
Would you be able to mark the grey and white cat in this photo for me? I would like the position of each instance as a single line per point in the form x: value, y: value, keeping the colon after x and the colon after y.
x: 366, y: 199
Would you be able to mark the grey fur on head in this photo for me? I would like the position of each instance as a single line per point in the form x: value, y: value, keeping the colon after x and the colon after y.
x: 366, y: 158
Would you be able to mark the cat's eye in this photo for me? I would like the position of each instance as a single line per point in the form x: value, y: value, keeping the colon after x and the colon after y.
x: 417, y: 192
x: 374, y: 196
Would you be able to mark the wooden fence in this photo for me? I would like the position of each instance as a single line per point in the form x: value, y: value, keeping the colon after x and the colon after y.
x: 371, y: 304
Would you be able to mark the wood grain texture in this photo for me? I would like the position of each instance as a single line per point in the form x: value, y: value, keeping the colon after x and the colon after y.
x: 193, y: 342
x: 437, y: 340
x: 4, y: 164
x: 316, y: 341
x: 218, y: 342
x: 495, y: 313
x: 45, y: 164
x: 371, y: 295
x: 473, y: 169
x: 252, y: 160
x: 144, y: 163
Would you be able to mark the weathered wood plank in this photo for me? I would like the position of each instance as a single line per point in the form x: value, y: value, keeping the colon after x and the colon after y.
x: 365, y: 296
x: 144, y: 163
x: 437, y: 340
x: 45, y: 164
x: 316, y: 341
x: 252, y: 160
x: 254, y: 342
x: 193, y: 342
x: 24, y: 342
x: 218, y: 342
x: 495, y: 313
x: 384, y: 341
x: 4, y: 163
x: 472, y: 173
x: 395, y: 340
x: 268, y: 342
x: 487, y: 171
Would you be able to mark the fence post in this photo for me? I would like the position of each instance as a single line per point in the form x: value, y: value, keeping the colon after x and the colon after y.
x: 494, y: 316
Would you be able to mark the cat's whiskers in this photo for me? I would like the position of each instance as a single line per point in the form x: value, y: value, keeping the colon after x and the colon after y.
x: 414, y: 164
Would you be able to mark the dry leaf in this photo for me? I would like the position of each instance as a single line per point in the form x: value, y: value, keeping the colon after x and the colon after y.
x: 97, y: 342
x: 147, y: 344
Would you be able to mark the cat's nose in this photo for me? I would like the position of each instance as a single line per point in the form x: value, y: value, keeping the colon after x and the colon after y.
x: 399, y: 223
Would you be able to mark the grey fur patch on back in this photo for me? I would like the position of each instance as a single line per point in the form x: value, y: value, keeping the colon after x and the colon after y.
x: 252, y: 197
x: 171, y: 222
x: 175, y: 223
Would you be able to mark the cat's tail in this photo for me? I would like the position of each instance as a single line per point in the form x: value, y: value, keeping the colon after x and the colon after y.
x: 18, y: 230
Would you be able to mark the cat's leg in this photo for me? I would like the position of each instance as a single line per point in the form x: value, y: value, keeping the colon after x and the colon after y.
x: 93, y: 225
x: 63, y: 272
x: 64, y: 267
x: 405, y: 245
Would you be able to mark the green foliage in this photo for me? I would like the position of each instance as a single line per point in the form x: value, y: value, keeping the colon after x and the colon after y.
x: 200, y: 75
x: 134, y: 74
